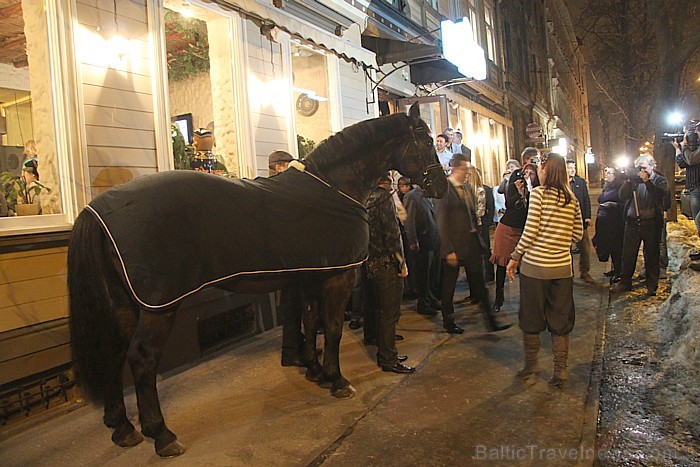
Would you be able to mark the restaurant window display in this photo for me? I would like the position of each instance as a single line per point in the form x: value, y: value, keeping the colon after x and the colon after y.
x: 29, y: 159
x: 312, y: 111
x: 200, y: 95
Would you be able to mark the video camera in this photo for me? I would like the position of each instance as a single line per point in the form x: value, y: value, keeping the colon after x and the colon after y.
x: 688, y: 133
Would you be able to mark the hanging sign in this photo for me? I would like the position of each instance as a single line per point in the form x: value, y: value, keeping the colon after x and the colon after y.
x: 460, y: 49
x: 533, y: 130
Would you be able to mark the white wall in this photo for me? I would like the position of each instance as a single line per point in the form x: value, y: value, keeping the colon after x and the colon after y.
x: 353, y: 92
x: 268, y: 94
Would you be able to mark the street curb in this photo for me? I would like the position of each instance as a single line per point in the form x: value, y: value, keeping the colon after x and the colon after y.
x: 589, y: 427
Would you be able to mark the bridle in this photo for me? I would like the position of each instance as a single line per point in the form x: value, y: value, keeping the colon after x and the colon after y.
x: 426, y: 169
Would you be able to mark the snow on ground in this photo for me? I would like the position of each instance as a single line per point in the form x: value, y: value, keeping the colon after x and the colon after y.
x: 679, y: 315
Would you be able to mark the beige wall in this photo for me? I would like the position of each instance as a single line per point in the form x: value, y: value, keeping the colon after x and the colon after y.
x: 117, y: 92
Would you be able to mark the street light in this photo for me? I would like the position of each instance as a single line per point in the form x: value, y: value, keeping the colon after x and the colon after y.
x: 675, y: 118
x: 622, y: 162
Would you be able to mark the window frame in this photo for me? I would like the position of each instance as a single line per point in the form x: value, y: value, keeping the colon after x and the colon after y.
x: 70, y: 162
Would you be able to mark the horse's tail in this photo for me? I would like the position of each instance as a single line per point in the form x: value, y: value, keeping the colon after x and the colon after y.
x: 94, y: 328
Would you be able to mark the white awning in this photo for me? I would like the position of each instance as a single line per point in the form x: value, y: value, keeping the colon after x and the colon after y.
x: 297, y: 27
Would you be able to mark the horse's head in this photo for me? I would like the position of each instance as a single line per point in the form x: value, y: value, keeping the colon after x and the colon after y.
x: 419, y: 161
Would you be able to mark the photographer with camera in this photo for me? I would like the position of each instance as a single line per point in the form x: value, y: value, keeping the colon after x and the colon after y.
x: 644, y: 220
x: 688, y: 158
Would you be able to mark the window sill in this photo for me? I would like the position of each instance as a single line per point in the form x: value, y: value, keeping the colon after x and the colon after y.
x: 33, y: 232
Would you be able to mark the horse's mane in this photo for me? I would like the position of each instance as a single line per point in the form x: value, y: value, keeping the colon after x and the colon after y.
x: 361, y: 138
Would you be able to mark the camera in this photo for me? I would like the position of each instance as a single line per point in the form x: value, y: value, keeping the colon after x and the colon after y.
x: 631, y: 174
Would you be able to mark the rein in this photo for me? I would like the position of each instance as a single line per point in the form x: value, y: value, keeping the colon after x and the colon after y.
x: 427, y: 182
x: 302, y: 168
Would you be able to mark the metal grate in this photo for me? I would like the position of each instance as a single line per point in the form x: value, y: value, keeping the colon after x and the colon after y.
x: 35, y: 395
x: 226, y: 328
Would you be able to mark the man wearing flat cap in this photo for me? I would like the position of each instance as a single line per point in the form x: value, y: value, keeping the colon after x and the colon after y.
x: 290, y: 298
x: 278, y: 161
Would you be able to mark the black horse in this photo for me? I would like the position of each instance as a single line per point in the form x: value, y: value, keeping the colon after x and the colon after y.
x: 128, y: 270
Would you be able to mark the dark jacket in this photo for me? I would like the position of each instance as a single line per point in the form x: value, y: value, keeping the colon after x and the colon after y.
x: 580, y: 189
x: 453, y: 225
x: 516, y: 206
x: 420, y: 225
x: 609, y: 222
x: 650, y: 197
x: 487, y: 219
x: 385, y: 245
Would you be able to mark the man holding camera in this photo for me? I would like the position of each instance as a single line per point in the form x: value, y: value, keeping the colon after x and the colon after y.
x: 688, y: 158
x: 644, y: 218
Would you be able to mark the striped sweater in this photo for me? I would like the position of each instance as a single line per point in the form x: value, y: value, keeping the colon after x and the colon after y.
x: 545, y: 246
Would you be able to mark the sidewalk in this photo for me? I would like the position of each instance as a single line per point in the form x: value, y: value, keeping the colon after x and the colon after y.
x: 464, y: 405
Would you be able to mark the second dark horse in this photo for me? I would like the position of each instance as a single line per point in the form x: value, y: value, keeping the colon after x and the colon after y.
x: 112, y: 322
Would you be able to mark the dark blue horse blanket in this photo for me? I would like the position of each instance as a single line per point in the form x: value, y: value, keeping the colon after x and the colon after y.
x: 180, y: 231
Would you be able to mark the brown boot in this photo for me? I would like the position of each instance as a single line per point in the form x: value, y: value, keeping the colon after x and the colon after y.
x: 531, y: 346
x: 560, y: 350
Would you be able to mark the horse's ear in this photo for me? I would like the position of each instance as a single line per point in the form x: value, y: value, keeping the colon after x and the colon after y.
x: 414, y: 112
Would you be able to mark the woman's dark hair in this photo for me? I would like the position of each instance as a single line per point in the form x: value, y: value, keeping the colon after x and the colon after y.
x: 556, y: 176
x: 32, y: 167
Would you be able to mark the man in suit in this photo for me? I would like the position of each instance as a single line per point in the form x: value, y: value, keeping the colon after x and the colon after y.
x: 423, y: 244
x: 459, y: 148
x: 460, y: 246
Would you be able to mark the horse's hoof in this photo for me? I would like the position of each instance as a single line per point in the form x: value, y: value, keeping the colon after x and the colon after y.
x: 129, y: 440
x: 314, y: 376
x: 344, y: 393
x: 171, y: 450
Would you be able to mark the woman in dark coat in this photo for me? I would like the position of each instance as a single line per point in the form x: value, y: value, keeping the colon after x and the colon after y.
x: 610, y: 223
x: 510, y: 228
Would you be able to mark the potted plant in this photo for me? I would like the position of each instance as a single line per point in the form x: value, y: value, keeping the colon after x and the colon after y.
x: 20, y: 196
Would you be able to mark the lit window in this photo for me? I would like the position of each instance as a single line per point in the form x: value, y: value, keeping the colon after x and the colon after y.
x: 490, y: 36
x: 29, y: 159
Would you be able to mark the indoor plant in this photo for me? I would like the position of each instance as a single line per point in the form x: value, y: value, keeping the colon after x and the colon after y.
x: 17, y: 192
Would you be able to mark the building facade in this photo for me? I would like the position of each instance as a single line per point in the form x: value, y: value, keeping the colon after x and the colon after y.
x: 108, y: 91
x: 96, y: 88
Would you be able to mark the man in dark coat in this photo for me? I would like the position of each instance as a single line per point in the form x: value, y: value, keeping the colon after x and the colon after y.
x: 383, y: 273
x: 460, y: 246
x: 580, y: 189
x: 644, y: 218
x: 290, y: 306
x: 423, y: 243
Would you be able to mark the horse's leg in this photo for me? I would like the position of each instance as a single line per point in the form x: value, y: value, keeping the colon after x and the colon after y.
x: 124, y: 434
x: 334, y: 297
x: 314, y: 371
x: 144, y: 353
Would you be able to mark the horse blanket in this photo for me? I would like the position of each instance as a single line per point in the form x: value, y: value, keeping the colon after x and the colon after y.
x: 177, y: 232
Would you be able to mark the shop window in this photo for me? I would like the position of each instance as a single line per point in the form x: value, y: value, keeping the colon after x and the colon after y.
x: 199, y: 75
x: 312, y: 114
x: 29, y: 159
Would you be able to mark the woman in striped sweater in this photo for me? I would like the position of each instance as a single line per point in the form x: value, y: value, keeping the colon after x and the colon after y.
x: 546, y: 272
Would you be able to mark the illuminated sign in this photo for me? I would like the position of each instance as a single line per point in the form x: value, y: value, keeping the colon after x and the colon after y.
x: 459, y: 48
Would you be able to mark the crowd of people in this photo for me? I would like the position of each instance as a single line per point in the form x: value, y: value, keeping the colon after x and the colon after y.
x: 542, y: 212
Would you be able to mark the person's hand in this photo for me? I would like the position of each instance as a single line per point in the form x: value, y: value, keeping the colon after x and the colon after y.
x: 520, y: 185
x: 512, y: 268
x: 586, y: 222
x: 676, y: 145
x: 404, y: 271
x: 451, y: 260
x: 414, y: 247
